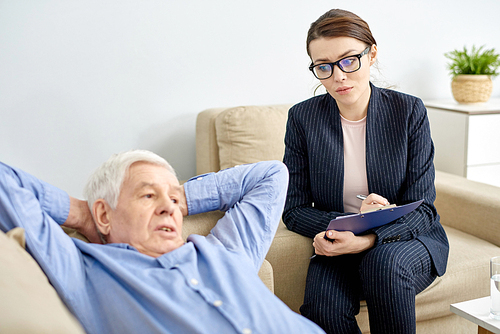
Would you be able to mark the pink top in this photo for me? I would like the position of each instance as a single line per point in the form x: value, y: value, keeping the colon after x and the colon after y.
x: 355, y: 181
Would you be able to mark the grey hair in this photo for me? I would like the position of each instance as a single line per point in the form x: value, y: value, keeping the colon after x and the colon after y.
x: 107, y: 180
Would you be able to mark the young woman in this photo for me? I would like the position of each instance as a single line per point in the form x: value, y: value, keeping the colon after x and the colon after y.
x: 360, y: 139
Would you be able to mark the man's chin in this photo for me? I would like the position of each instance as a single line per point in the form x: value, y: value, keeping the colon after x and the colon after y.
x: 165, y: 248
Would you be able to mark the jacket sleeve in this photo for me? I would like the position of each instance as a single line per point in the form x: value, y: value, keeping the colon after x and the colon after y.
x: 300, y: 215
x: 419, y: 183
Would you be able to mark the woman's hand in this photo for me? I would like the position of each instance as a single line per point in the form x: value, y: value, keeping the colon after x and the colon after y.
x: 373, y: 201
x: 342, y: 243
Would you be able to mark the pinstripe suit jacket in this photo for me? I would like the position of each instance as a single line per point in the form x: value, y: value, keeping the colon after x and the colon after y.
x: 399, y: 166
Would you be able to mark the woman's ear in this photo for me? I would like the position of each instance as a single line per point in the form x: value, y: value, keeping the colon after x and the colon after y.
x: 373, y: 54
x: 101, y: 211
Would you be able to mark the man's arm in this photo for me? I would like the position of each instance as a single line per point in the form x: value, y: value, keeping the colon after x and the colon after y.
x: 253, y: 197
x: 23, y: 195
x: 40, y: 209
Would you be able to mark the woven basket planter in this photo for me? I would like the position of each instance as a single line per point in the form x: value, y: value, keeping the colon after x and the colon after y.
x: 471, y: 88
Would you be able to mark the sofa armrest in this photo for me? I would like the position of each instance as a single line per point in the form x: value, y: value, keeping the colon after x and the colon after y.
x: 469, y: 206
x: 290, y: 255
x: 207, y: 150
x: 28, y: 303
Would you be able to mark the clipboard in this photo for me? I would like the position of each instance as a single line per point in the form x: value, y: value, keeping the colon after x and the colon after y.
x: 361, y: 222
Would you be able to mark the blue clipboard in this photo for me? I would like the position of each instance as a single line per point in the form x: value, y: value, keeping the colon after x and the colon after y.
x: 361, y: 222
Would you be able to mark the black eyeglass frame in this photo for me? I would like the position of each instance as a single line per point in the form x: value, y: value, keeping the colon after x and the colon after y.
x: 365, y: 51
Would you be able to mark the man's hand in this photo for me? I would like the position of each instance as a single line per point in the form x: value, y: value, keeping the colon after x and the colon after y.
x: 182, y: 201
x: 80, y: 219
x: 343, y: 243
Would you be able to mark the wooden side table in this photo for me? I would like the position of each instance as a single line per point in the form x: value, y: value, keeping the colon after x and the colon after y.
x: 466, y: 138
x: 478, y: 311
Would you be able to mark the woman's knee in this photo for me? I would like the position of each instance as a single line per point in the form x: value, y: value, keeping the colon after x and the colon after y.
x: 386, y: 263
x: 331, y: 316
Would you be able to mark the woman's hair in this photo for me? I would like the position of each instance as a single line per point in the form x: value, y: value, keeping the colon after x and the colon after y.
x: 340, y: 23
x: 107, y: 180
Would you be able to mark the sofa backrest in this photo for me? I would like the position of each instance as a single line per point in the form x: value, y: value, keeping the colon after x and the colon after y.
x: 234, y: 136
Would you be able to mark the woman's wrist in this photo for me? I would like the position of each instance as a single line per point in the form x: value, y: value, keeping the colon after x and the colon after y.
x: 367, y: 241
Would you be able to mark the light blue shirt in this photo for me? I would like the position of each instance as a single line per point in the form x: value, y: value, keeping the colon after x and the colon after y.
x: 208, y: 285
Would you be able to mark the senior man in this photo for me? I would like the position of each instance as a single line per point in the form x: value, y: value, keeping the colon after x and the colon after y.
x: 146, y: 279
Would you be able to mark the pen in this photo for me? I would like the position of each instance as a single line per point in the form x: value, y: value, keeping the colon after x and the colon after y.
x: 361, y: 197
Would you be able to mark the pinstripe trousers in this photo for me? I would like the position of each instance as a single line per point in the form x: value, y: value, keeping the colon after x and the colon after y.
x: 388, y: 277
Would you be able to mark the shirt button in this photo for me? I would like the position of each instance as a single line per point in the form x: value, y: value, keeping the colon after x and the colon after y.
x: 218, y: 303
x: 247, y: 331
x: 199, y: 179
x: 194, y: 281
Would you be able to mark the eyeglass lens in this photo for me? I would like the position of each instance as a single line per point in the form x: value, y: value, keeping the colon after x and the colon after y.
x: 349, y: 64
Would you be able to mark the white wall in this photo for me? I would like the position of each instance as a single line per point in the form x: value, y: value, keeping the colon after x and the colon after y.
x: 80, y: 80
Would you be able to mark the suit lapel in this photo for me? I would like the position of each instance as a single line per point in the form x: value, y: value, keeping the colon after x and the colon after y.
x: 372, y: 136
x: 336, y: 125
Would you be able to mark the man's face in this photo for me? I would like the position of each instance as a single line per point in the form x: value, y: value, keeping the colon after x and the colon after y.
x: 147, y: 215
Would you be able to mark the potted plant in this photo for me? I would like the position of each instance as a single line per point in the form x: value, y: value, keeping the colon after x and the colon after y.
x: 472, y: 72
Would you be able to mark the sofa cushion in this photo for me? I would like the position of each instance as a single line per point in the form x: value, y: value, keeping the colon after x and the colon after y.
x: 28, y: 303
x: 466, y: 277
x: 251, y: 134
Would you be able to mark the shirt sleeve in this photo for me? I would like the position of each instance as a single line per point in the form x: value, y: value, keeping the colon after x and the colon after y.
x: 252, y: 196
x: 39, y: 208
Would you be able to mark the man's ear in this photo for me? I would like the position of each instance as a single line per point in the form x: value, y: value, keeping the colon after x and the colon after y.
x: 101, y: 211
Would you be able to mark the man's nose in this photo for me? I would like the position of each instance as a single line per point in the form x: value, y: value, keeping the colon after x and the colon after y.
x: 166, y: 206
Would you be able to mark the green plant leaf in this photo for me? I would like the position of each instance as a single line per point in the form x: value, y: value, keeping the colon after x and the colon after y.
x: 476, y: 61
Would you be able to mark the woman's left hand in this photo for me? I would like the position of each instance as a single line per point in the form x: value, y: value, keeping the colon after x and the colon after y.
x: 342, y: 243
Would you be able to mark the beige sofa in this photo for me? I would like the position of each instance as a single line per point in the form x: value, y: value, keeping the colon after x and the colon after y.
x: 470, y: 214
x: 228, y: 137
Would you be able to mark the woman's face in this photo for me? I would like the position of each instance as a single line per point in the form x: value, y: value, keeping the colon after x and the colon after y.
x: 350, y: 90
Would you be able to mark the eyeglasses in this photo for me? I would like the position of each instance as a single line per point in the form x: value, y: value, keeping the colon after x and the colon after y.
x: 348, y: 65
